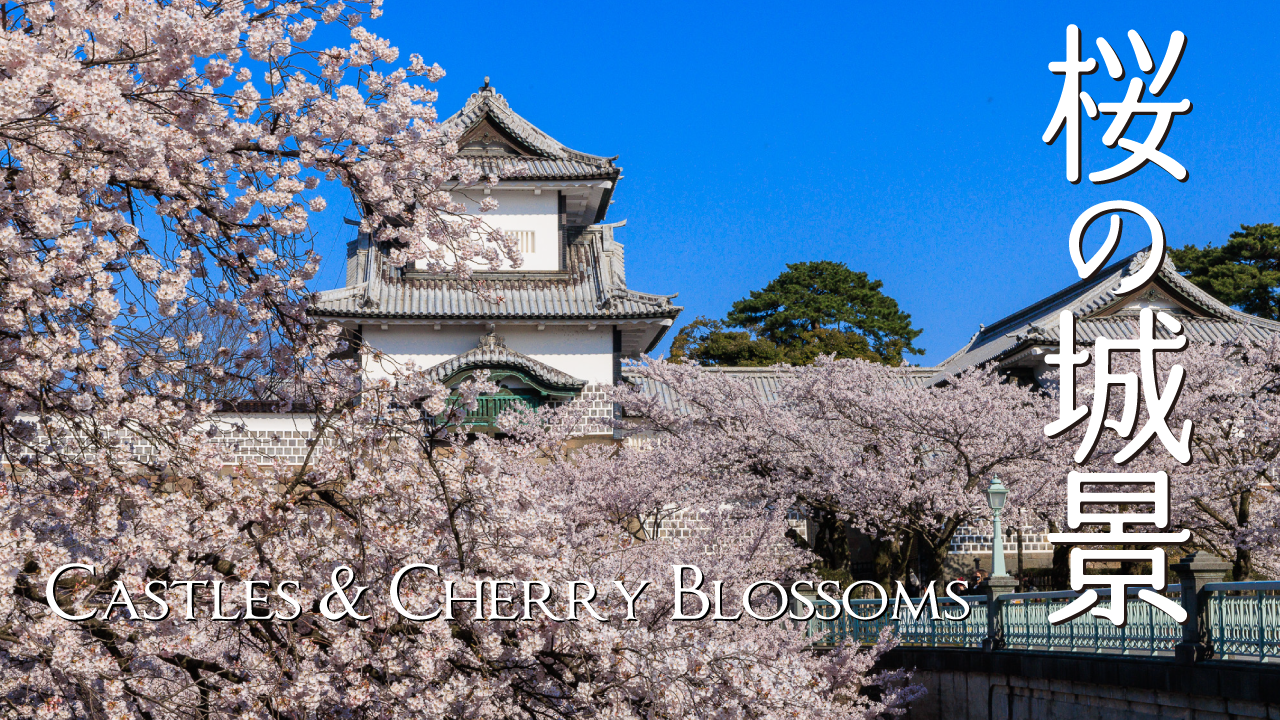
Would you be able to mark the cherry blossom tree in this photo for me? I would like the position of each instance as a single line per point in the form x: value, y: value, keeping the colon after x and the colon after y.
x: 163, y: 158
x: 906, y: 465
x: 161, y: 163
x: 400, y: 483
x: 1226, y: 495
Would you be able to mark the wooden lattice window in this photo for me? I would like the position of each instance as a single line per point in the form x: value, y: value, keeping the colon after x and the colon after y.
x: 524, y: 238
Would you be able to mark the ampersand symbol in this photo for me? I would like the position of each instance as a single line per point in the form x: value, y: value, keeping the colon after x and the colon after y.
x: 338, y: 587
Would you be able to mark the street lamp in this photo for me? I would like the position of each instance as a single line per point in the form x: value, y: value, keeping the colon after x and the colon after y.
x: 995, y: 499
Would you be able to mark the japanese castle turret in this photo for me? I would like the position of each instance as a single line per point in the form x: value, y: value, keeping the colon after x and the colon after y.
x: 567, y: 317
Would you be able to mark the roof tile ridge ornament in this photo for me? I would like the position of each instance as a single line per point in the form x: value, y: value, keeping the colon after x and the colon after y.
x: 1034, y: 333
x: 373, y: 286
x: 606, y: 291
x: 486, y: 93
x: 1137, y: 260
x: 491, y: 340
x: 643, y: 297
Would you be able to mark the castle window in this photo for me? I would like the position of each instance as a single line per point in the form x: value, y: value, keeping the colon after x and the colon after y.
x: 524, y: 238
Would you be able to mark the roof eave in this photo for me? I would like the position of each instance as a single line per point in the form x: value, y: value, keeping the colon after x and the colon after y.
x: 606, y: 197
x: 664, y: 313
x: 662, y: 332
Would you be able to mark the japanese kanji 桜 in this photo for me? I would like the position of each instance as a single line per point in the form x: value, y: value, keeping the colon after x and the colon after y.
x: 1073, y: 98
x: 1158, y: 500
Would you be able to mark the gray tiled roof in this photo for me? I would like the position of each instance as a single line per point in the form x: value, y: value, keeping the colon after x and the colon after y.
x: 588, y: 290
x: 765, y: 381
x: 495, y: 355
x: 916, y: 376
x: 1195, y: 329
x: 539, y: 169
x: 1090, y: 301
x: 557, y: 161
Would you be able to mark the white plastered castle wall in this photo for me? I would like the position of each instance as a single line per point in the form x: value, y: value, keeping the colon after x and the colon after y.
x: 524, y: 212
x: 574, y: 349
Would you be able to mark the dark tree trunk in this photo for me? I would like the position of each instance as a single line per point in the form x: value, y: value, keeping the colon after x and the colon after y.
x: 1022, y: 574
x: 937, y: 560
x: 831, y: 540
x: 1242, y: 567
x: 1061, y: 575
x: 887, y: 552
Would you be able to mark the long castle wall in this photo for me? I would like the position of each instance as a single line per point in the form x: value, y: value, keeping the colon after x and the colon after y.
x: 987, y: 696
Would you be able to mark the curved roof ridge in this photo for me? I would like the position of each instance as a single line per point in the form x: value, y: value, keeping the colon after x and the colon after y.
x: 1106, y: 278
x: 1212, y: 321
x: 489, y: 101
x: 963, y: 349
x: 1089, y: 297
x: 1169, y: 271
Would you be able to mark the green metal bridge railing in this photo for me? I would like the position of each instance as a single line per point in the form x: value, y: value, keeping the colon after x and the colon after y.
x: 1244, y: 619
x: 968, y: 632
x: 1235, y: 621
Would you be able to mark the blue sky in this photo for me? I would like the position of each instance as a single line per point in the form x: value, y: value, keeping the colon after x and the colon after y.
x: 902, y: 140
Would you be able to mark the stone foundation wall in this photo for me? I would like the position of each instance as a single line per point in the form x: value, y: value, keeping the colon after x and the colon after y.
x: 966, y: 684
x: 984, y: 696
x: 961, y: 564
x: 266, y: 446
x: 599, y: 412
x: 969, y: 539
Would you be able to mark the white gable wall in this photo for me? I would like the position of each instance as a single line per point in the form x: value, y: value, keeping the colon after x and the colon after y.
x: 522, y: 211
x: 582, y: 353
x: 1148, y: 297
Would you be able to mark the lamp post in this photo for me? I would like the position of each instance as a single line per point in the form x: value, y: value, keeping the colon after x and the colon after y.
x: 999, y: 584
x: 995, y: 499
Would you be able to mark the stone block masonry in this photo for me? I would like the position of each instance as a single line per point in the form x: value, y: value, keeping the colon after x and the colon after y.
x: 598, y: 415
x: 968, y: 685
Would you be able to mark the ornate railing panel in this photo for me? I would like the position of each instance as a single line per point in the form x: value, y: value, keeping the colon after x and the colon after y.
x: 922, y: 630
x: 490, y: 407
x: 834, y: 631
x: 1244, y: 619
x: 1026, y: 625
